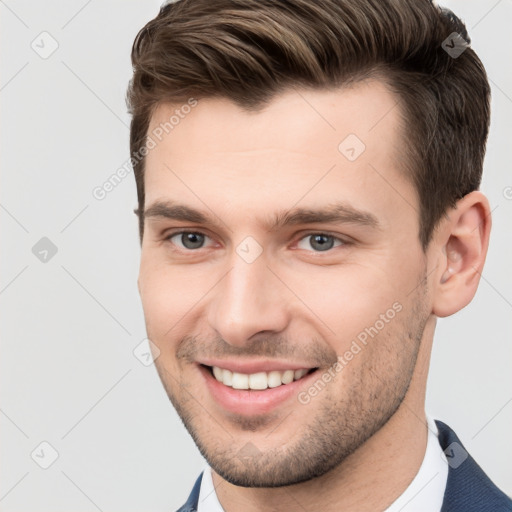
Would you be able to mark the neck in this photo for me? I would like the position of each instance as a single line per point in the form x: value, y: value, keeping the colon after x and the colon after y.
x: 370, y: 479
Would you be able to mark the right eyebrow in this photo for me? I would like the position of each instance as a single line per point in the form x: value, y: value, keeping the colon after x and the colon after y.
x: 173, y: 211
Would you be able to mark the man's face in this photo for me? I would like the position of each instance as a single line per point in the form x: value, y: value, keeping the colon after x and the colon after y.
x: 271, y: 248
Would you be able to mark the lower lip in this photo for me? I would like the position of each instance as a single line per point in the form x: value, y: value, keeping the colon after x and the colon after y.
x: 252, y: 402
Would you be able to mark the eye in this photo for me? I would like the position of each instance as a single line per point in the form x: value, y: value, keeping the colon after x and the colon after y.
x: 320, y: 242
x: 188, y: 240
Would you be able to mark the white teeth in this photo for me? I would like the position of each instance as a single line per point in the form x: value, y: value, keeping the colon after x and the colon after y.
x: 298, y: 373
x: 218, y: 373
x: 274, y: 379
x: 227, y: 377
x: 287, y: 377
x: 240, y: 381
x: 257, y: 381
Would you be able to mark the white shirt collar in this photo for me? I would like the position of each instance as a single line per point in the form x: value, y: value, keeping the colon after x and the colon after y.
x: 424, y: 494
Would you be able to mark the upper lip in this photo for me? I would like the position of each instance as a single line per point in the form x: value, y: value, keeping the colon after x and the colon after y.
x: 249, y: 366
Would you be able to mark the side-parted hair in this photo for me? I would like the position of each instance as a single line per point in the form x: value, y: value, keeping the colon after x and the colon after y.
x: 250, y: 50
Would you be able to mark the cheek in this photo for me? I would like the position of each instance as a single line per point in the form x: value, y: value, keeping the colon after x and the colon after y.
x: 170, y: 294
x: 347, y: 300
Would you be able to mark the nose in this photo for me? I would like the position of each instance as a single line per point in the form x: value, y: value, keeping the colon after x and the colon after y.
x: 249, y: 300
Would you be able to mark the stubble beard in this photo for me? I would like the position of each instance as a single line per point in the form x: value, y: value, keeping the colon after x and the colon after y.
x: 342, y: 423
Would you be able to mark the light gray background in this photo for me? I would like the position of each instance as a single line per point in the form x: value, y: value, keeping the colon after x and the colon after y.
x: 69, y: 325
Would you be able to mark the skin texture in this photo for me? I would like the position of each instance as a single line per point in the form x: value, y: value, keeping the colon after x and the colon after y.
x: 366, y: 428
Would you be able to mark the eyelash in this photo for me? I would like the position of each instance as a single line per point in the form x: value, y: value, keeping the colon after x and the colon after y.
x: 304, y: 236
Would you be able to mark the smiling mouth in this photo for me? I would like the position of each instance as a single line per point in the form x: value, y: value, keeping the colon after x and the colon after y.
x: 257, y: 381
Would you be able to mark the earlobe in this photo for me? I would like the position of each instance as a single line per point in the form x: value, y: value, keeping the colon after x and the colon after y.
x: 464, y: 242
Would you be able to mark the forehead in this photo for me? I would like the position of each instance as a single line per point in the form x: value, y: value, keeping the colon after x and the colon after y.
x: 321, y: 116
x: 304, y: 145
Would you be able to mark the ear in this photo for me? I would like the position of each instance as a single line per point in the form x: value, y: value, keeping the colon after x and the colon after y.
x: 462, y: 240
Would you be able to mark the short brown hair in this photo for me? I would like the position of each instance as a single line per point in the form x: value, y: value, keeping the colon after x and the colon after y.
x: 250, y: 50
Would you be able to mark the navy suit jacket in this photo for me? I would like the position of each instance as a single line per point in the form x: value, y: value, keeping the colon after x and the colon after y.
x: 468, y: 488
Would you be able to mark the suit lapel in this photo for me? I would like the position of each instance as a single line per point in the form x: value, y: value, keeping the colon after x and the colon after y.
x: 192, y: 502
x: 468, y: 488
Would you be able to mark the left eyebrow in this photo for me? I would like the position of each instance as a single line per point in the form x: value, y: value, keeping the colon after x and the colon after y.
x: 335, y: 213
